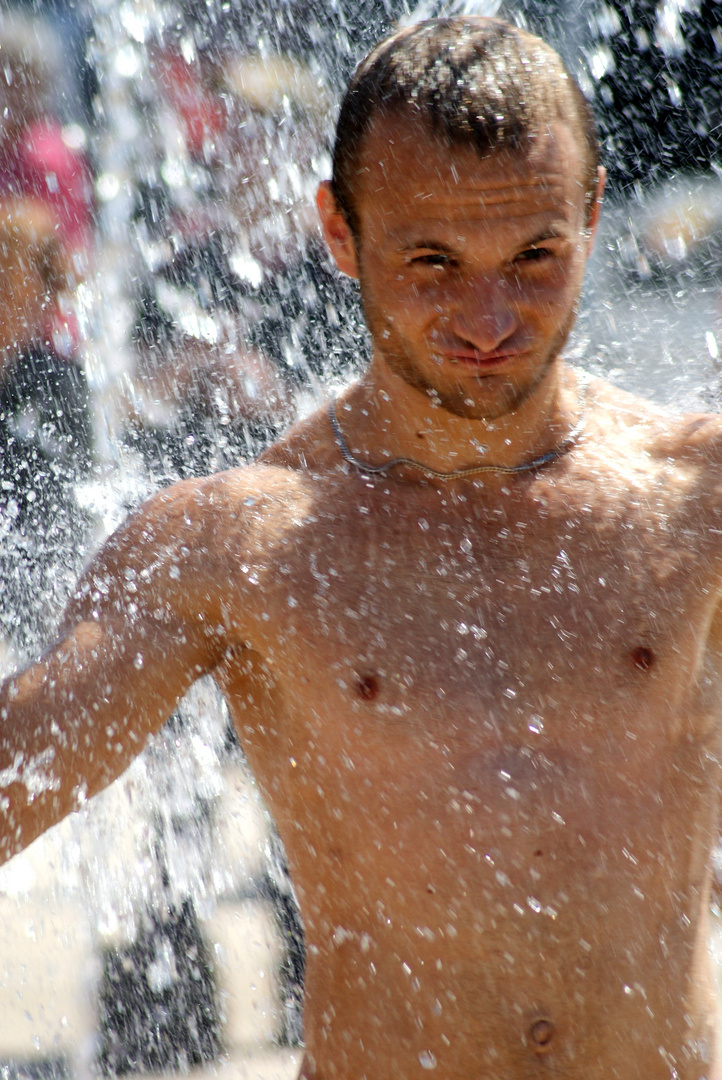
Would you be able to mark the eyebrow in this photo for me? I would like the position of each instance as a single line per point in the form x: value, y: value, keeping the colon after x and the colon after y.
x: 548, y: 234
x: 551, y: 233
x: 434, y: 245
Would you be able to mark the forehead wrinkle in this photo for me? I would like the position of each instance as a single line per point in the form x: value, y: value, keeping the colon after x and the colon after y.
x: 447, y: 231
x: 496, y: 171
x: 518, y: 181
x: 439, y: 215
x: 484, y: 199
x: 483, y: 192
x: 420, y: 186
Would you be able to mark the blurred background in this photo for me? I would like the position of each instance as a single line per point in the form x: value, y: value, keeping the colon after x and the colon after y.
x: 167, y: 309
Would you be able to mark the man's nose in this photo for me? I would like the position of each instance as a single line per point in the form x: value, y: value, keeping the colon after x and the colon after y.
x: 484, y: 313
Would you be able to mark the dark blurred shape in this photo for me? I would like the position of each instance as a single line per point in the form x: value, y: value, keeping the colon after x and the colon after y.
x: 157, y: 1000
x: 239, y: 309
x: 44, y: 1068
x: 45, y: 429
x: 335, y: 35
x: 71, y: 23
x: 45, y: 442
x: 658, y: 89
x: 277, y: 888
x: 675, y: 231
x: 45, y: 421
x: 41, y: 156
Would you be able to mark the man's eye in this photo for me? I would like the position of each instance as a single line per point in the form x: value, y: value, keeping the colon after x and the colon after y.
x: 534, y: 254
x: 431, y: 260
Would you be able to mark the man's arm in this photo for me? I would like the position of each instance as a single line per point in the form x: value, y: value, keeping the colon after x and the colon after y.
x: 142, y: 626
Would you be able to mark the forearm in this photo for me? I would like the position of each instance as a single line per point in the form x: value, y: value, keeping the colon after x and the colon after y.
x: 136, y: 634
x: 72, y: 723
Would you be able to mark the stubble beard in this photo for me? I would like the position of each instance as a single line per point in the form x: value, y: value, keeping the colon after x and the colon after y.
x: 508, y: 392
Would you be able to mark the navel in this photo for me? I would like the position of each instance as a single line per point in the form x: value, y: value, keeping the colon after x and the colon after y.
x: 642, y: 657
x: 367, y: 687
x: 541, y: 1033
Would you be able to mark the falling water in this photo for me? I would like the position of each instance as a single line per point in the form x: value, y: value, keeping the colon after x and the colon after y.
x: 174, y: 877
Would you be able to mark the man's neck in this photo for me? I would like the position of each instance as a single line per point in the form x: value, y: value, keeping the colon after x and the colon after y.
x: 382, y: 418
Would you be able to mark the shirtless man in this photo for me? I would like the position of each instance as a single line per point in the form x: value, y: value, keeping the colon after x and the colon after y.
x: 480, y: 688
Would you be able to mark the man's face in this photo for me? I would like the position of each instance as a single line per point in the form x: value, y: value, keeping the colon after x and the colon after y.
x: 470, y: 267
x: 33, y: 270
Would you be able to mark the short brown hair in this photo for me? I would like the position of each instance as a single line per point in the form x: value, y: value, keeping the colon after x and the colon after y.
x: 474, y: 80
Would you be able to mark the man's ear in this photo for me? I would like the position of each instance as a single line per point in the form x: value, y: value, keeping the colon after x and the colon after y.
x: 596, y: 208
x: 336, y: 231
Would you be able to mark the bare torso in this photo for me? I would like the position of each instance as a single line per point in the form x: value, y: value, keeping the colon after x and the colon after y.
x: 486, y: 717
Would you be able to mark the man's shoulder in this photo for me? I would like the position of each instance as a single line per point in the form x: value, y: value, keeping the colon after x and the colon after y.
x: 267, y: 489
x: 216, y: 512
x: 656, y: 431
x: 661, y: 466
x: 262, y: 495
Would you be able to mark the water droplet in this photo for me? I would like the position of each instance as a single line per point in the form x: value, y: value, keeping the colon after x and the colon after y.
x: 465, y: 545
x: 427, y: 1059
x: 423, y: 524
x: 174, y: 572
x: 138, y: 662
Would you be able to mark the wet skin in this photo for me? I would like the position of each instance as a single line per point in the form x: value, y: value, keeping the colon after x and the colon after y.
x: 485, y: 713
x: 470, y: 270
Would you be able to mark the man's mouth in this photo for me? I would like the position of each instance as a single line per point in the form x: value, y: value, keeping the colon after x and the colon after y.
x: 474, y: 358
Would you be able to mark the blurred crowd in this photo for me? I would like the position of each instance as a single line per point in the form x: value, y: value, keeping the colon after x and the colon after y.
x: 238, y: 319
x: 46, y: 226
x: 237, y: 310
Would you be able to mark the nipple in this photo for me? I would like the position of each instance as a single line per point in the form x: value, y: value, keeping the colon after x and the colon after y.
x: 542, y: 1033
x: 642, y: 658
x: 367, y: 687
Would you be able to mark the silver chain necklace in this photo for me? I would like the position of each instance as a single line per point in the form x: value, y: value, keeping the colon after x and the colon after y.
x: 458, y: 474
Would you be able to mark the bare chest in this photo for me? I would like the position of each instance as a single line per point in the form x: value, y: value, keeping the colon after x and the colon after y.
x: 421, y: 618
